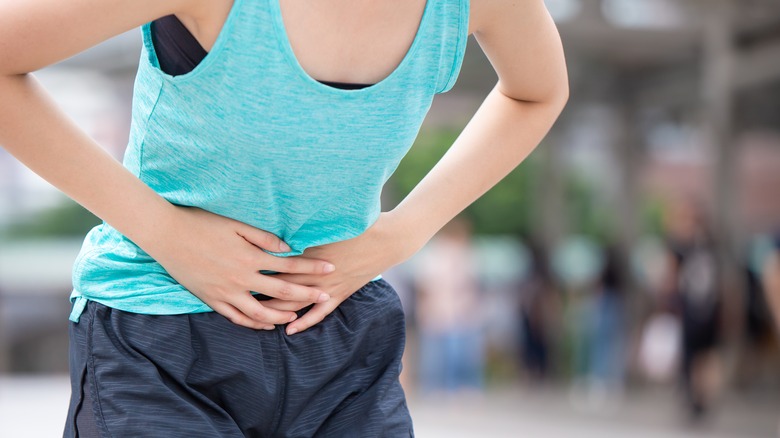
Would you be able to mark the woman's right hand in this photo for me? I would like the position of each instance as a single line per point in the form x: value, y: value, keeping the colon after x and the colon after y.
x: 218, y: 259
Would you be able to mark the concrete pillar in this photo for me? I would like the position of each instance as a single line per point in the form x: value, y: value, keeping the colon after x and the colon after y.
x: 718, y: 105
x: 717, y: 99
x: 628, y: 149
x: 550, y: 219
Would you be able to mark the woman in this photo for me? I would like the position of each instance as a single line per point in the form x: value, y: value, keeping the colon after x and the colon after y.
x: 233, y: 288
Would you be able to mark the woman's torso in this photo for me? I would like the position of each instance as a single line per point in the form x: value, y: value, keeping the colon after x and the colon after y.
x: 251, y: 134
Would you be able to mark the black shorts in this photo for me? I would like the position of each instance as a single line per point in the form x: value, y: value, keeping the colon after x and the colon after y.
x: 199, y: 375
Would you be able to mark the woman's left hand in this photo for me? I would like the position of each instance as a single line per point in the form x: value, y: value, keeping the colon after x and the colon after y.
x: 357, y: 260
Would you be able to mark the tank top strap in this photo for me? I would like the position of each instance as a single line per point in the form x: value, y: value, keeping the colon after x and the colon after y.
x: 253, y: 30
x: 446, y: 41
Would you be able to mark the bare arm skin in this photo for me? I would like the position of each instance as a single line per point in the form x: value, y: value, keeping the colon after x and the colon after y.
x: 523, y: 46
x: 222, y: 266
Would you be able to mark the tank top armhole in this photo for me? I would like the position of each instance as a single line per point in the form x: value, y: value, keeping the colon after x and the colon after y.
x: 460, y: 46
x: 150, y: 55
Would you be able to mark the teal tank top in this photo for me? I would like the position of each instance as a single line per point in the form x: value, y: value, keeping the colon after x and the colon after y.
x: 249, y: 135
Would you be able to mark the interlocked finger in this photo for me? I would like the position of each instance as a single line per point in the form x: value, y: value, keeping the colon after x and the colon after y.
x: 276, y: 287
x: 313, y: 316
x: 286, y: 305
x: 295, y: 265
x: 254, y: 310
x: 236, y: 317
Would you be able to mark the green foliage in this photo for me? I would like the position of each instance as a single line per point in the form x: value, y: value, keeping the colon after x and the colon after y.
x: 651, y: 216
x: 512, y: 205
x: 505, y: 209
x: 66, y: 220
x: 588, y: 215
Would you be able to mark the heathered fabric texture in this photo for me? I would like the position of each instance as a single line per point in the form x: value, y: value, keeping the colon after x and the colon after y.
x: 199, y: 375
x: 249, y: 135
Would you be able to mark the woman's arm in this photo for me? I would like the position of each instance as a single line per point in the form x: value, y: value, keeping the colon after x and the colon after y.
x: 523, y: 45
x: 221, y: 265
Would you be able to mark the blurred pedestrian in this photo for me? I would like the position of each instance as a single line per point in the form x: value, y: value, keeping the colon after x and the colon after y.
x: 607, y: 332
x: 449, y: 312
x: 696, y: 283
x: 537, y: 302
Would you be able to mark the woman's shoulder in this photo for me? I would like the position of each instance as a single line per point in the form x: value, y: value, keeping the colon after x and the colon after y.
x: 486, y: 13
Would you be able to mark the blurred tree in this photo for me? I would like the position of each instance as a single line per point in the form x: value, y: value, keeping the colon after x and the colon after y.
x: 587, y: 214
x: 510, y: 206
x: 507, y: 208
x: 69, y: 219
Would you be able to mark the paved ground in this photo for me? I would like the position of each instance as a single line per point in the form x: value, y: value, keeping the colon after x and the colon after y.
x: 32, y: 407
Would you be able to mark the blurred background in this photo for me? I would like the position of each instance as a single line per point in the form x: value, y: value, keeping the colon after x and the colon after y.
x: 619, y: 281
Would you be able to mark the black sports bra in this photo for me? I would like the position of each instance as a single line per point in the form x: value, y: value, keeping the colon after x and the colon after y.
x: 178, y: 52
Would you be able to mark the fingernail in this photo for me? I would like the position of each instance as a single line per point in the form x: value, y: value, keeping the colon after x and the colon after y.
x: 269, y: 327
x: 328, y: 268
x: 322, y: 298
x: 292, y: 318
x: 284, y: 247
x: 292, y: 331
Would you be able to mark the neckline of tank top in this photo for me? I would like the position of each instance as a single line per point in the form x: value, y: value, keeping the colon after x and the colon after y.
x: 193, y: 46
x: 289, y: 54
